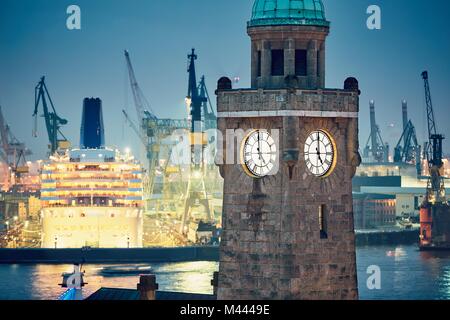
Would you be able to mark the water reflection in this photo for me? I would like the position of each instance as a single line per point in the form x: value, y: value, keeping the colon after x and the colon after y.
x: 41, y: 281
x: 406, y: 273
x: 187, y: 277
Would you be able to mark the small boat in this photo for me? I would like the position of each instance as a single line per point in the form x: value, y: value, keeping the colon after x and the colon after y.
x: 126, y: 270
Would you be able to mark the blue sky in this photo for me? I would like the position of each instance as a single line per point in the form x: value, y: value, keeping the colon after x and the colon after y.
x: 34, y: 41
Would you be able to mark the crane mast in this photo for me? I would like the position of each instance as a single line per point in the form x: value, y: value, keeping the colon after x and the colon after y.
x: 193, y: 97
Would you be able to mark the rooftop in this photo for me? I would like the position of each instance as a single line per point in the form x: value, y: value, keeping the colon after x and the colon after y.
x: 133, y: 294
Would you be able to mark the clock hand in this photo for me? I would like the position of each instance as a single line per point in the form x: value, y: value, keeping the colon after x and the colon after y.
x: 261, y: 157
x: 319, y: 157
x: 318, y: 149
x: 259, y: 147
x: 318, y: 142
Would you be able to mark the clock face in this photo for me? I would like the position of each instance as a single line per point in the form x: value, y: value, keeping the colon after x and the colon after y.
x: 320, y: 153
x: 258, y: 154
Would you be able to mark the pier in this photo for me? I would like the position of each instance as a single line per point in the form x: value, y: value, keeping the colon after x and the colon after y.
x: 69, y: 256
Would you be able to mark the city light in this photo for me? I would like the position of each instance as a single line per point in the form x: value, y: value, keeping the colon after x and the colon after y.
x: 196, y: 174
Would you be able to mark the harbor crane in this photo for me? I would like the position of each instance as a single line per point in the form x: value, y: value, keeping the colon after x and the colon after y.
x: 153, y: 133
x: 433, y: 151
x: 408, y: 150
x: 375, y: 146
x: 151, y: 130
x: 434, y: 211
x: 12, y: 151
x: 53, y: 121
x: 196, y: 194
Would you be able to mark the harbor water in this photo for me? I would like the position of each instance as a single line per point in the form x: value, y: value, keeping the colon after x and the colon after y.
x: 406, y: 273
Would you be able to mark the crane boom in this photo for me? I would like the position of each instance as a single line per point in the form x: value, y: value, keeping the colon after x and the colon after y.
x: 430, y: 111
x: 436, y: 188
x: 434, y: 145
x: 140, y: 102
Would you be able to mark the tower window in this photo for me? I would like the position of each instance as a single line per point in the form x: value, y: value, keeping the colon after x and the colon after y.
x: 277, y: 62
x: 323, y: 222
x: 259, y: 64
x: 300, y: 63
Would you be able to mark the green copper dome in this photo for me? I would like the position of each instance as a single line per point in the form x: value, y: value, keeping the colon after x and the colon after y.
x: 288, y: 12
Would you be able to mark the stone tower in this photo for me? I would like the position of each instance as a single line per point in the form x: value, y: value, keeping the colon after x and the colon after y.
x: 290, y: 150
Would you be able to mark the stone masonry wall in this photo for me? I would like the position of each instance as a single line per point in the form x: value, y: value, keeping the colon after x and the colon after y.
x: 271, y: 246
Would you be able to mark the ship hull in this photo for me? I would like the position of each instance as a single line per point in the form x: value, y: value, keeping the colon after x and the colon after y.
x: 96, y: 227
x: 435, y: 227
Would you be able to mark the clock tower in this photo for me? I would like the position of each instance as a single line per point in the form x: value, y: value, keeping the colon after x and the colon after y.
x: 289, y: 152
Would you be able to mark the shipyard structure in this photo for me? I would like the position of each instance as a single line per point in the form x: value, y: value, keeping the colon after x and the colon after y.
x: 92, y: 196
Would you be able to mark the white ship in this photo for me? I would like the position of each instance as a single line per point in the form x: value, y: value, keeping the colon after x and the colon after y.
x: 92, y: 197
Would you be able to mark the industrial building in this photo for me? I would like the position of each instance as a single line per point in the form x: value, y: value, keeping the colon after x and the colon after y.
x: 374, y: 211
